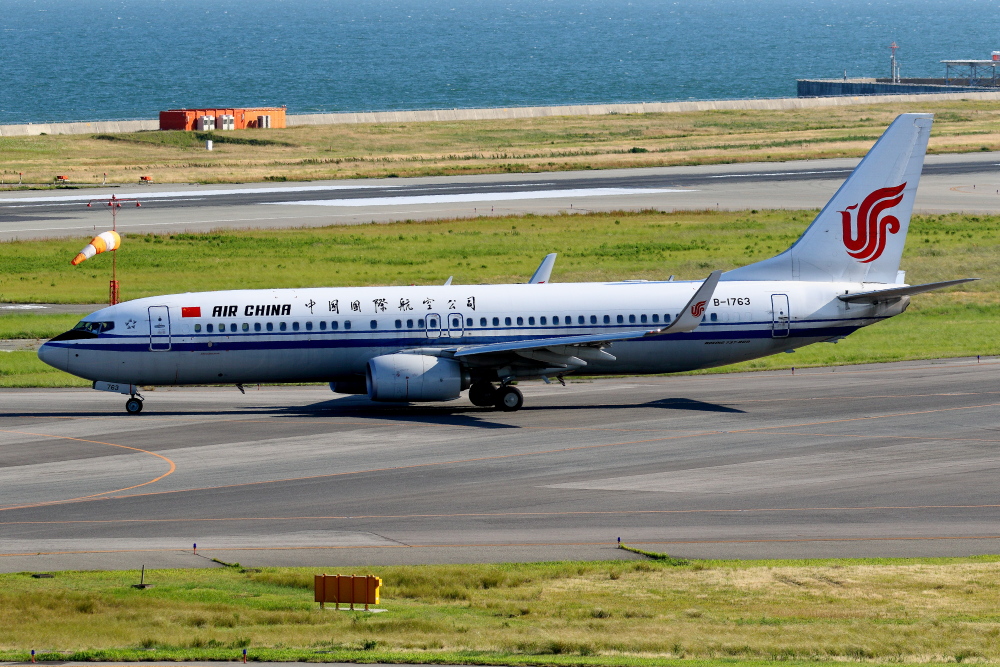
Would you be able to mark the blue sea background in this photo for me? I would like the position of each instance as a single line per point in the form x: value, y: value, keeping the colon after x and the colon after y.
x: 97, y: 59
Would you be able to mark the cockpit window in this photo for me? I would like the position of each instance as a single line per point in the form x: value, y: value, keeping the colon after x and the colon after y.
x: 94, y: 327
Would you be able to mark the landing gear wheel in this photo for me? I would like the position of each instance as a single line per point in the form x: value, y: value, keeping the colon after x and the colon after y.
x: 133, y: 406
x: 509, y: 399
x: 482, y: 394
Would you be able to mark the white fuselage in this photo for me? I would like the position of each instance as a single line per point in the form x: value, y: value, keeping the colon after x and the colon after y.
x: 329, y: 334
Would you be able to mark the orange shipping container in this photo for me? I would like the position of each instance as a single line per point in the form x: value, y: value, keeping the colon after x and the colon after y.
x: 186, y: 119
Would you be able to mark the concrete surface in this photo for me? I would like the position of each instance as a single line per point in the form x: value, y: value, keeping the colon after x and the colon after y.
x: 502, y: 113
x: 886, y: 460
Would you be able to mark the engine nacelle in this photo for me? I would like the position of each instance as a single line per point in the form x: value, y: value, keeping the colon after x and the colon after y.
x: 414, y: 377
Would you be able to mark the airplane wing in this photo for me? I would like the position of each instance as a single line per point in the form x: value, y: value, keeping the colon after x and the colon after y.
x: 573, y: 351
x: 544, y: 270
x: 876, y: 296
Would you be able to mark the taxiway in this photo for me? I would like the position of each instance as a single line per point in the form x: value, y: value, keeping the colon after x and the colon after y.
x: 886, y: 460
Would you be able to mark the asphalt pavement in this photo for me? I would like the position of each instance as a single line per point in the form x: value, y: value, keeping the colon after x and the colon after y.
x: 884, y: 460
x: 962, y: 182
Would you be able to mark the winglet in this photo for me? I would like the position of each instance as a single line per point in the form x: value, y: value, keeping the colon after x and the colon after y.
x: 690, y: 316
x: 544, y: 270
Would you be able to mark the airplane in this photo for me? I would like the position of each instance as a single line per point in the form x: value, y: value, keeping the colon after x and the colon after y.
x: 431, y: 343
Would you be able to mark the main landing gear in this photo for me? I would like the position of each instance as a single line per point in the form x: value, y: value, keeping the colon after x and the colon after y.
x: 133, y: 406
x: 506, y: 397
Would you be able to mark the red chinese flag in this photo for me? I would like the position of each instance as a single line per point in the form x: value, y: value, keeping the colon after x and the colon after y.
x: 194, y: 311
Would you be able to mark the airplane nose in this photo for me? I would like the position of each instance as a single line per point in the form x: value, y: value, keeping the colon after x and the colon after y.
x: 56, y: 356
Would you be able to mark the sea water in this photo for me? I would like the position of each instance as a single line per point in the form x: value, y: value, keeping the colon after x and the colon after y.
x: 101, y: 59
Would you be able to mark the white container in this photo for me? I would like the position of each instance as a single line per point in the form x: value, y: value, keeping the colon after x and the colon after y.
x: 208, y: 144
x: 205, y: 123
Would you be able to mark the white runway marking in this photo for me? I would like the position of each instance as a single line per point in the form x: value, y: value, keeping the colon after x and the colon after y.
x: 785, y: 173
x: 189, y: 193
x: 480, y: 196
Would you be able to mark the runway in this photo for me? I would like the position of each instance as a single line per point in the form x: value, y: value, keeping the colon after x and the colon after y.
x: 887, y: 460
x: 963, y: 182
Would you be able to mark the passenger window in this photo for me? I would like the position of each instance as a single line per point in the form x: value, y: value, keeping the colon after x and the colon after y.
x: 531, y: 321
x: 542, y: 320
x: 222, y: 327
x: 580, y: 320
x: 621, y: 319
x: 506, y: 321
x: 593, y: 319
x: 496, y: 321
x: 322, y: 325
x: 631, y: 319
x: 656, y: 318
x: 468, y: 321
x: 607, y: 319
x: 256, y: 326
x: 555, y: 319
x: 482, y: 321
x: 270, y: 326
x: 420, y: 323
x: 520, y: 321
x: 642, y: 319
x: 282, y: 326
x: 409, y: 324
x: 347, y: 324
x: 208, y: 328
x: 197, y: 327
x: 666, y: 318
x: 295, y: 326
x: 399, y: 324
x: 715, y: 317
x: 232, y: 327
x: 334, y: 325
x: 374, y: 324
x: 309, y: 326
x: 246, y: 327
x: 432, y: 322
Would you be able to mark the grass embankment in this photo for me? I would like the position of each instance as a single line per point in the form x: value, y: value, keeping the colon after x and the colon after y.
x: 611, y: 613
x: 593, y: 247
x: 476, y: 147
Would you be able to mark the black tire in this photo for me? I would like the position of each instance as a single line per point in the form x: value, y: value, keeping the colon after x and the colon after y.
x: 133, y: 406
x: 509, y: 399
x: 483, y: 394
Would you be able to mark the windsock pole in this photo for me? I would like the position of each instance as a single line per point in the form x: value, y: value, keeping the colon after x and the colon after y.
x: 114, y: 203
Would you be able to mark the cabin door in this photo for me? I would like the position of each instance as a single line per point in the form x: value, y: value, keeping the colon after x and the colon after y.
x: 159, y: 328
x: 780, y: 316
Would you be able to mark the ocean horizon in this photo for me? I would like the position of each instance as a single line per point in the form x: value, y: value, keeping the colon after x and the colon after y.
x: 89, y: 60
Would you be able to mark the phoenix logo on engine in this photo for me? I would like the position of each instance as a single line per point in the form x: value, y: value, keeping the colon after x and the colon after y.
x: 698, y: 309
x: 865, y: 237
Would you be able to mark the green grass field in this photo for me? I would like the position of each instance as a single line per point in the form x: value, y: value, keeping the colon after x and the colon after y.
x: 592, y: 247
x: 611, y: 613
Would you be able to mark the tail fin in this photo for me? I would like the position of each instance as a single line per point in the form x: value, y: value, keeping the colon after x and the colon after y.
x: 860, y: 233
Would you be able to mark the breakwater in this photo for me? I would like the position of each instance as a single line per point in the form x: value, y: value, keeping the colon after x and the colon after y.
x: 451, y: 115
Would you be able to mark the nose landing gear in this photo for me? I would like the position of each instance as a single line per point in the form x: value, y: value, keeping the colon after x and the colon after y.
x: 133, y: 406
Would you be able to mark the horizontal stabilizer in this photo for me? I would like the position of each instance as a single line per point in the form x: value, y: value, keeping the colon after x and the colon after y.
x: 896, y: 292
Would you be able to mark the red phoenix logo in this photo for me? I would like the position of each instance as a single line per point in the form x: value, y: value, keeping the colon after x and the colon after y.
x: 866, y: 239
x: 698, y: 308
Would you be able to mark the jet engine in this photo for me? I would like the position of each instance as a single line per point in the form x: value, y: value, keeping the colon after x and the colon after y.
x: 415, y: 377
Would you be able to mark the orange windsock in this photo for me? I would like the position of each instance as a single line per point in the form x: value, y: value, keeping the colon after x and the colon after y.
x: 102, y: 243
